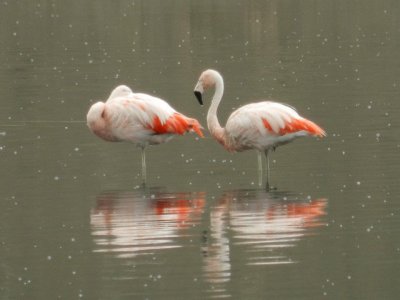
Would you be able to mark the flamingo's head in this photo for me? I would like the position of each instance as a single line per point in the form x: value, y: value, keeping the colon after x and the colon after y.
x: 207, y: 80
x: 97, y: 119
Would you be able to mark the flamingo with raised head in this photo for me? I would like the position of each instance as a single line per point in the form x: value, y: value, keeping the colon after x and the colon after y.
x: 138, y: 118
x: 262, y: 126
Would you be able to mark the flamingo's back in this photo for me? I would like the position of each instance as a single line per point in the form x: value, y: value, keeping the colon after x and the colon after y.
x: 266, y: 124
x: 144, y: 119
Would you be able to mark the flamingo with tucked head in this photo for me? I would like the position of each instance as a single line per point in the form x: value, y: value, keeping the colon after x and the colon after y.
x: 262, y: 126
x: 138, y: 118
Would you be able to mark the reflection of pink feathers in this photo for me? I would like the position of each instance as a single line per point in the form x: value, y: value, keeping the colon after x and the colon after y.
x: 130, y: 224
x: 180, y: 208
x: 307, y: 213
x: 138, y: 118
x: 261, y: 225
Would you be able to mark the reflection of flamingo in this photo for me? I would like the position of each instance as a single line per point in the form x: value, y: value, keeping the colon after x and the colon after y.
x: 272, y: 220
x: 262, y: 223
x: 262, y: 126
x: 138, y: 118
x: 129, y: 223
x: 258, y: 223
x: 216, y: 248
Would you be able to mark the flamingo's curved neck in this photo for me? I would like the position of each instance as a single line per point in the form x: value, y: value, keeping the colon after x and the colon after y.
x: 212, y: 120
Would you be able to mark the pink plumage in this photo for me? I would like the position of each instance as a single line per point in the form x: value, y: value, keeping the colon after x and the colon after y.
x: 262, y: 126
x: 138, y: 118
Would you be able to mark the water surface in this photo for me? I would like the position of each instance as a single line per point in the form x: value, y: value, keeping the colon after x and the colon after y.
x: 75, y: 221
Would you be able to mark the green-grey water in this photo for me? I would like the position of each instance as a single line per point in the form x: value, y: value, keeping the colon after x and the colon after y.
x: 76, y: 223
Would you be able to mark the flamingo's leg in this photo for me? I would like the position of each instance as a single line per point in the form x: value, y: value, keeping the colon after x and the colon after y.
x: 260, y: 168
x: 143, y: 165
x: 267, y: 172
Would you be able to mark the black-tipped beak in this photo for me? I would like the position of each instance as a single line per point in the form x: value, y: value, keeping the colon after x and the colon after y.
x: 199, y: 97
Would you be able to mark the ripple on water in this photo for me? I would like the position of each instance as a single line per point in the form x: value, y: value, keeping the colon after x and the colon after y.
x: 262, y: 224
x: 256, y: 227
x: 128, y: 224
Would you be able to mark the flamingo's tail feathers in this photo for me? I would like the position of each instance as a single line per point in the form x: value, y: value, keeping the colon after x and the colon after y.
x: 196, y: 127
x: 303, y: 125
x: 177, y: 124
x: 314, y: 129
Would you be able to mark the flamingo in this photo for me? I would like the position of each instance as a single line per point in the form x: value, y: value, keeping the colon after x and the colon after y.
x: 262, y: 126
x: 138, y: 118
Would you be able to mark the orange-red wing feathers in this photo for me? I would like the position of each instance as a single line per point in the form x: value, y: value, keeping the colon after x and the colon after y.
x: 267, y: 125
x: 177, y: 124
x: 196, y: 127
x: 302, y: 124
x: 297, y: 125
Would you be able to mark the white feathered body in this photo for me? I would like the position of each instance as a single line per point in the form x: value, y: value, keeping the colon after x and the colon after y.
x: 264, y: 125
x: 138, y: 118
